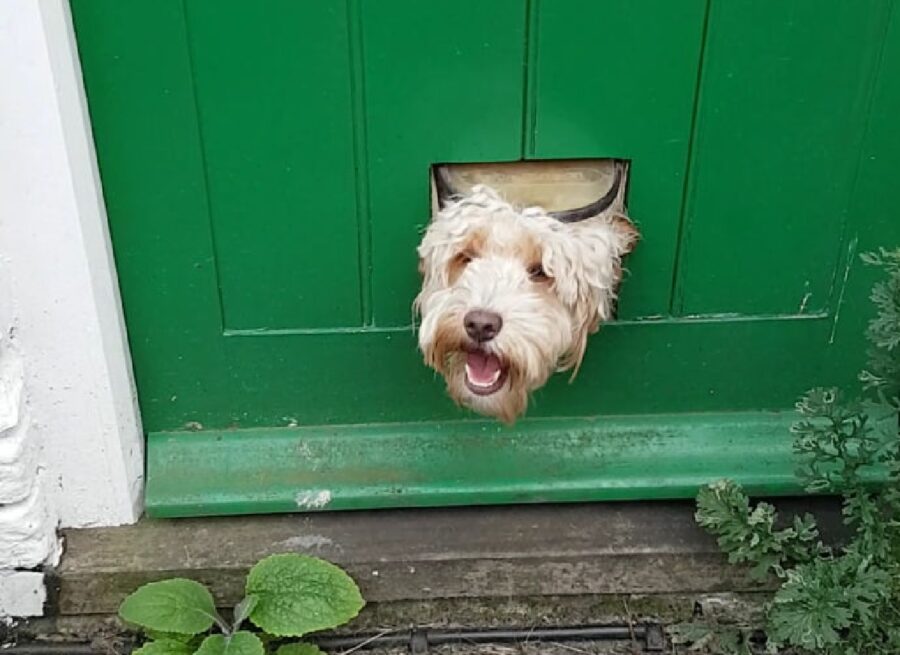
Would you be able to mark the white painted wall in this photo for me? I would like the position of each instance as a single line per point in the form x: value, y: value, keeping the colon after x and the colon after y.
x: 71, y: 446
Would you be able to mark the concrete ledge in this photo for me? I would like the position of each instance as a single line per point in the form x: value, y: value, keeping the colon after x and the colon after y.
x: 409, y: 556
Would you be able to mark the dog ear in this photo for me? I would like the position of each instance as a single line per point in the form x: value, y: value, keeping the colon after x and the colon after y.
x: 627, y: 235
x: 441, y: 242
x: 585, y: 264
x: 431, y: 256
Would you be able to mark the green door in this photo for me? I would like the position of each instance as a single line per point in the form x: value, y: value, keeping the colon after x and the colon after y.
x: 265, y: 168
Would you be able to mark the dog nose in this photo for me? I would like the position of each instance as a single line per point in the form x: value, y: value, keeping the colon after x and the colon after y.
x: 482, y: 325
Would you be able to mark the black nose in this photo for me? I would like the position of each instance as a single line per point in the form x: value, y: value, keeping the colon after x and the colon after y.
x: 482, y: 325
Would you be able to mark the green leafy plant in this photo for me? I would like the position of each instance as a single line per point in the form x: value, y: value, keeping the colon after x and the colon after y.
x: 286, y: 596
x: 830, y: 602
x: 707, y: 637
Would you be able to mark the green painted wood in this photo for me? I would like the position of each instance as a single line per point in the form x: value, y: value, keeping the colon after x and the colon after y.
x: 200, y: 108
x: 190, y: 367
x: 273, y: 94
x: 137, y: 73
x: 781, y: 114
x: 617, y: 79
x: 652, y: 367
x: 444, y: 83
x: 462, y: 463
x: 874, y: 218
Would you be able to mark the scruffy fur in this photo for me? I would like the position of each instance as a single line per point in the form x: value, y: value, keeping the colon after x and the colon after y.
x: 552, y: 283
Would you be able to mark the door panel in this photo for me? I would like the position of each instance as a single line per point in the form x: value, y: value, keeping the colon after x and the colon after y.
x: 617, y: 79
x: 137, y: 72
x: 873, y: 220
x: 444, y: 83
x: 192, y: 210
x: 646, y: 368
x: 273, y: 94
x: 782, y: 110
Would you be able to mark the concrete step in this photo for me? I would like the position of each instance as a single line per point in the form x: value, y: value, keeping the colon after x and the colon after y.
x: 424, y: 565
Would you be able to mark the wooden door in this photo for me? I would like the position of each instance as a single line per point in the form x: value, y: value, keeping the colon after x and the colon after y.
x: 265, y: 171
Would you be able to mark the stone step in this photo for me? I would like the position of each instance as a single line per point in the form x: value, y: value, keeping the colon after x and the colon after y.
x: 425, y: 558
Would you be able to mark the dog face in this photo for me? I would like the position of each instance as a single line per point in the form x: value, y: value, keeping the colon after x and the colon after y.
x: 509, y: 297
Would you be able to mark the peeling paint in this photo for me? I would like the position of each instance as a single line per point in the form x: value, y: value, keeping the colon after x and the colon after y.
x: 313, y: 499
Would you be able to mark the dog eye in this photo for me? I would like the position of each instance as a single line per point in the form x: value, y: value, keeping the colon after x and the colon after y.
x: 537, y: 273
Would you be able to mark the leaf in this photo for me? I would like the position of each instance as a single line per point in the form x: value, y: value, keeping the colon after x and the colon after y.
x: 823, y: 599
x: 240, y: 643
x: 164, y: 647
x: 689, y: 633
x: 299, y: 594
x: 748, y: 535
x: 841, y: 600
x: 242, y: 610
x: 300, y: 648
x: 159, y: 635
x: 176, y: 605
x: 712, y: 638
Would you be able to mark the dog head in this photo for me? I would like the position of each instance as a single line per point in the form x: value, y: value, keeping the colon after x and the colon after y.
x: 509, y: 297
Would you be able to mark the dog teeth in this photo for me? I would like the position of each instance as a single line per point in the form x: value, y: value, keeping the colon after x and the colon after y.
x: 484, y: 385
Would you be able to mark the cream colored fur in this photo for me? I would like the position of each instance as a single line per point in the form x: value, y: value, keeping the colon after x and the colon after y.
x: 546, y: 322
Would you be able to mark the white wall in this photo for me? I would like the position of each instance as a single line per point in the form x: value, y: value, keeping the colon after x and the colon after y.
x: 71, y: 447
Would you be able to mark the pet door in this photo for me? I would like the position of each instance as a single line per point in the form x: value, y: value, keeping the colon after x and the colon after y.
x: 570, y: 190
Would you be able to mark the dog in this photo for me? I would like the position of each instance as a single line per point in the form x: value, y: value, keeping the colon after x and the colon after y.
x: 509, y: 296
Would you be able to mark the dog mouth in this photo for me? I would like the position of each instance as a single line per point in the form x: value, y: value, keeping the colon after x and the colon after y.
x: 485, y: 372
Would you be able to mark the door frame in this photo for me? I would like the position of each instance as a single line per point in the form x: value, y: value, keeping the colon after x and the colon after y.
x: 60, y: 308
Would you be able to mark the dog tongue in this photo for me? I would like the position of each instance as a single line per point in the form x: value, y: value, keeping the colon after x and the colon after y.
x: 482, y: 367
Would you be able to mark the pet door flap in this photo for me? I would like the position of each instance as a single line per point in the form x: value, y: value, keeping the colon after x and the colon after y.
x: 570, y: 190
